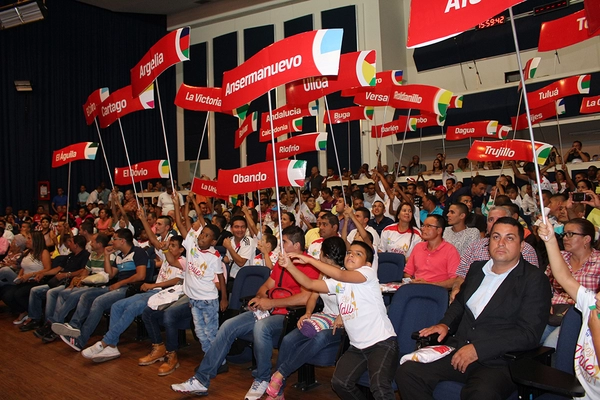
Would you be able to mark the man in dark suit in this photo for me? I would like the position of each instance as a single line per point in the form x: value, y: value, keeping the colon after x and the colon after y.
x: 502, y: 306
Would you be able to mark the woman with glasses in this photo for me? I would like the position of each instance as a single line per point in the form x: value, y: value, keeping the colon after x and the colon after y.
x: 583, y: 261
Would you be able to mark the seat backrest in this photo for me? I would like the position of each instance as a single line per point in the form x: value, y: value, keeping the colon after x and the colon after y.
x: 247, y: 282
x: 567, y: 340
x: 414, y: 307
x: 390, y: 267
x: 150, y: 268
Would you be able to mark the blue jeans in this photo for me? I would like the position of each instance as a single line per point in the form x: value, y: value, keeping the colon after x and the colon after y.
x: 67, y: 300
x: 90, y: 308
x: 122, y: 314
x: 36, y: 298
x: 206, y: 321
x: 243, y: 324
x: 171, y: 319
x: 7, y: 276
x: 297, y: 349
x: 550, y: 336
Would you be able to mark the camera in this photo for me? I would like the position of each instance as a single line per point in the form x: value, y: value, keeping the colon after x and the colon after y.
x: 579, y: 197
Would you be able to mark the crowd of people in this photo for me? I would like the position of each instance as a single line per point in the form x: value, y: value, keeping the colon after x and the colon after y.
x: 510, y: 272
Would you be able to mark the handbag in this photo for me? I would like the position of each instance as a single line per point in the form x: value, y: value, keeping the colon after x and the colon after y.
x: 279, y: 292
x: 558, y: 312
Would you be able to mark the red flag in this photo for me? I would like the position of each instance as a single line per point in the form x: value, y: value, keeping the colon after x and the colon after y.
x: 155, y: 169
x: 171, y: 49
x: 91, y: 108
x: 74, y: 152
x: 507, y: 150
x: 286, y: 112
x: 432, y: 21
x: 590, y: 105
x: 564, y: 32
x: 199, y: 98
x: 308, y: 54
x: 390, y: 128
x: 280, y: 128
x: 249, y: 125
x: 121, y: 103
x: 356, y: 69
x: 372, y: 98
x: 456, y: 102
x: 384, y: 80
x: 207, y: 188
x: 297, y: 145
x: 592, y: 10
x: 425, y: 120
x: 539, y: 114
x: 421, y: 97
x: 486, y: 129
x: 348, y: 114
x: 578, y: 84
x: 260, y: 176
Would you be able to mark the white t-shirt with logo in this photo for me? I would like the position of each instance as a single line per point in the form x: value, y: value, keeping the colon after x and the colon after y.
x: 168, y: 272
x: 586, y: 361
x: 353, y: 233
x: 246, y: 249
x: 362, y: 310
x: 393, y: 241
x: 200, y: 270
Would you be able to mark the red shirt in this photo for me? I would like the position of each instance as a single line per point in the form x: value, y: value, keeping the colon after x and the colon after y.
x: 288, y: 281
x: 436, y: 266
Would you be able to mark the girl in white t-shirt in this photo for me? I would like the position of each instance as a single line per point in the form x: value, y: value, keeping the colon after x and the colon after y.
x: 373, y: 344
x: 586, y: 358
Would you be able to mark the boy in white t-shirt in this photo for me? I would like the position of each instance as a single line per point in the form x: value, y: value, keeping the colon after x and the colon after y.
x: 361, y: 307
x: 586, y: 360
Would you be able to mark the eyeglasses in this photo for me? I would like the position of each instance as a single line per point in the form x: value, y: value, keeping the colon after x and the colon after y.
x: 429, y: 226
x: 570, y: 234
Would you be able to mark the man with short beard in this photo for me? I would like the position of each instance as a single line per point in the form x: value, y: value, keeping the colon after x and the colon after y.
x: 379, y: 220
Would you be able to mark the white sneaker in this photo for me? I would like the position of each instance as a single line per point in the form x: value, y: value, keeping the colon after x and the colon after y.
x: 65, y: 330
x: 91, y: 351
x: 107, y: 354
x: 192, y: 386
x: 257, y: 389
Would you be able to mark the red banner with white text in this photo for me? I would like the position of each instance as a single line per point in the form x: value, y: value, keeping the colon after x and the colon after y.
x: 309, y: 54
x: 91, y: 108
x: 432, y: 21
x: 121, y: 103
x: 249, y: 125
x: 421, y: 97
x: 590, y: 105
x: 507, y: 150
x: 356, y: 69
x: 479, y: 129
x: 297, y: 145
x: 579, y: 84
x: 565, y: 31
x: 171, y: 49
x: 539, y: 114
x: 280, y: 128
x: 74, y: 152
x: 207, y: 188
x: 384, y: 81
x: 260, y: 176
x: 348, y: 114
x: 155, y: 169
x: 391, y: 128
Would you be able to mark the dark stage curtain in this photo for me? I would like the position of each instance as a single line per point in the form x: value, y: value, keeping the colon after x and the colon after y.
x: 74, y: 51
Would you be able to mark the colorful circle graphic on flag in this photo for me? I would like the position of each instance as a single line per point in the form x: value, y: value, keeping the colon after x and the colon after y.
x: 369, y: 111
x: 297, y: 124
x: 326, y: 50
x: 397, y: 76
x: 296, y: 171
x: 583, y: 84
x: 441, y: 101
x: 182, y: 43
x: 90, y: 151
x: 366, y: 68
x: 321, y: 141
x: 164, y: 169
x: 492, y: 128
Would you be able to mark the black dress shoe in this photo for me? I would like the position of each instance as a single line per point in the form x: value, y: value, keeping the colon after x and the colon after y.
x: 43, y: 330
x: 222, y: 369
x: 50, y: 337
x: 33, y: 324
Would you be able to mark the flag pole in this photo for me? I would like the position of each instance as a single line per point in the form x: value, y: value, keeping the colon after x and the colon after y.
x: 129, y: 163
x: 527, y: 110
x: 104, y: 154
x: 349, y: 146
x: 337, y: 158
x: 558, y: 128
x: 275, y: 171
x: 162, y: 121
x: 68, y: 192
x: 199, y: 150
x: 403, y: 141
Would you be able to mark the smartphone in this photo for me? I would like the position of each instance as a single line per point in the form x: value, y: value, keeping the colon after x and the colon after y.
x: 578, y: 197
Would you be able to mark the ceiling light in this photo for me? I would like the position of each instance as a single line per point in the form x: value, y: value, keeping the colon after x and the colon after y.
x: 23, y: 86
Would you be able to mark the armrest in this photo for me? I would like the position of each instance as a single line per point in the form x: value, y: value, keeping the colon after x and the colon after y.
x: 541, y: 354
x: 534, y: 374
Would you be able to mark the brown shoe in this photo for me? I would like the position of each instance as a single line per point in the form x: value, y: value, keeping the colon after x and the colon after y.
x: 169, y: 365
x: 157, y: 354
